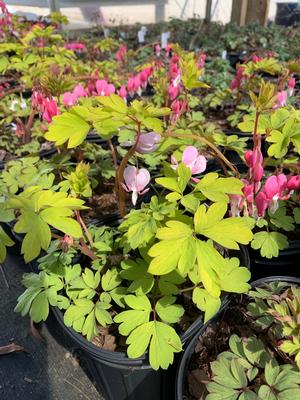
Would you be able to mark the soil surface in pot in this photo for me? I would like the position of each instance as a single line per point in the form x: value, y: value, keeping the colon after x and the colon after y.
x: 215, y: 340
x: 102, y: 203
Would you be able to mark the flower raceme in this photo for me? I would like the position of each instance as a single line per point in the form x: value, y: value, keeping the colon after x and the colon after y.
x: 104, y: 88
x: 274, y: 189
x: 256, y: 201
x: 49, y: 109
x: 75, y: 46
x: 45, y: 105
x: 177, y: 107
x: 139, y: 82
x: 135, y: 181
x: 237, y: 81
x: 193, y: 160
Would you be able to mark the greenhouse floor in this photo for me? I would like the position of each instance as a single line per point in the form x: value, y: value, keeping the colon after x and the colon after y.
x: 46, y: 370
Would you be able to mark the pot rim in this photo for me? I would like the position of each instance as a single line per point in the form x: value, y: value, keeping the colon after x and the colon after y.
x: 181, y: 372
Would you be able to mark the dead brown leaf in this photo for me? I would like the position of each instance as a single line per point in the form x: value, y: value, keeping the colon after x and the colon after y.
x: 196, y: 386
x: 10, y: 348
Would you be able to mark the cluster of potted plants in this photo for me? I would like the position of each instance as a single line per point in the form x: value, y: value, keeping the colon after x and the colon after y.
x: 142, y: 197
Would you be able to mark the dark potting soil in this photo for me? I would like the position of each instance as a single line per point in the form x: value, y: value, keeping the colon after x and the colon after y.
x: 215, y: 339
x: 102, y: 203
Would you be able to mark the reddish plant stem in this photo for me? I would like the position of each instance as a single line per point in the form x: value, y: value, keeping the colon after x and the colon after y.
x: 82, y: 247
x: 28, y: 126
x: 255, y: 140
x: 87, y: 251
x: 121, y: 169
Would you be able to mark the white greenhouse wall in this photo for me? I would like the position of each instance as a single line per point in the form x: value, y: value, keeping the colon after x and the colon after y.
x: 110, y: 12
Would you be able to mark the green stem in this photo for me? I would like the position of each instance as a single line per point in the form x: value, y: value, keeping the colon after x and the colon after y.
x: 84, y: 227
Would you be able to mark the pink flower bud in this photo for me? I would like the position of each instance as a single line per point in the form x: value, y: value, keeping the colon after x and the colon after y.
x: 281, y: 99
x: 294, y: 183
x: 69, y: 99
x: 234, y: 84
x: 101, y: 86
x: 79, y: 91
x: 201, y: 61
x: 256, y: 58
x: 130, y: 86
x: 79, y: 47
x: 49, y: 109
x: 261, y: 203
x: 148, y: 142
x: 173, y: 91
x: 110, y: 89
x: 122, y: 92
x: 291, y: 86
x: 275, y: 186
x: 254, y: 160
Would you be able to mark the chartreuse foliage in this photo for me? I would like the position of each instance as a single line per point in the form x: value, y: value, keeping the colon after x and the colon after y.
x: 38, y: 210
x: 156, y: 335
x: 248, y: 371
x: 193, y: 256
x: 270, y: 243
x: 77, y: 182
x: 190, y: 72
x: 106, y: 117
x: 211, y: 187
x: 283, y: 127
x: 269, y: 65
x: 140, y: 226
x: 135, y: 277
x: 140, y: 290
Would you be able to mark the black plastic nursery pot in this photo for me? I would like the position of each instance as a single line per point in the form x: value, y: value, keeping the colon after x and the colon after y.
x: 92, y: 137
x: 115, y: 375
x: 235, y: 58
x: 287, y: 262
x: 182, y: 371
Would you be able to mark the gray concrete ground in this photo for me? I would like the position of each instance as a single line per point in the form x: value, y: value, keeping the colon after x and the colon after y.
x: 47, y: 371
